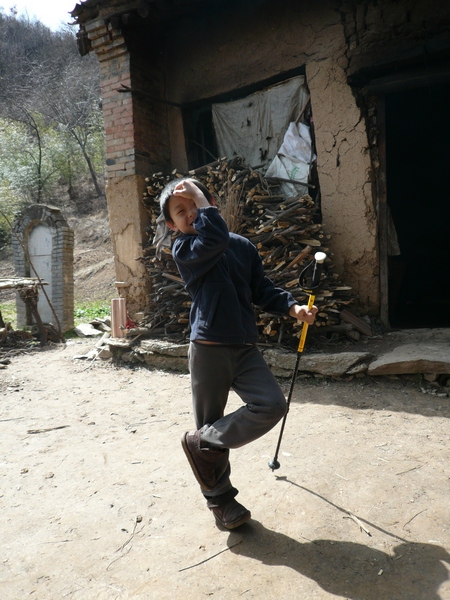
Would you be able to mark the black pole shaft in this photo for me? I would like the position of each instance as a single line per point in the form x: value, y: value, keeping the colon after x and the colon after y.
x: 317, y: 266
x: 291, y: 389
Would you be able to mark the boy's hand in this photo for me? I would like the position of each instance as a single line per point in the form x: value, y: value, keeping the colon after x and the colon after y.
x: 303, y: 313
x: 188, y: 189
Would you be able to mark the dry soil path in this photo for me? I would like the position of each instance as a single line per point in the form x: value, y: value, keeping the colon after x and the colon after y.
x: 97, y: 500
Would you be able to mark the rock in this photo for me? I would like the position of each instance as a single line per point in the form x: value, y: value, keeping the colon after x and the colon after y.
x: 101, y: 324
x: 170, y: 363
x: 164, y: 348
x: 119, y: 343
x: 413, y: 358
x: 86, y: 330
x: 358, y: 369
x: 431, y: 377
x: 104, y: 353
x: 91, y: 355
x: 334, y: 365
x: 421, y: 357
x: 163, y: 355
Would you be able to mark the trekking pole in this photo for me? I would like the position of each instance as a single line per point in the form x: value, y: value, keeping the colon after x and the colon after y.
x: 315, y: 267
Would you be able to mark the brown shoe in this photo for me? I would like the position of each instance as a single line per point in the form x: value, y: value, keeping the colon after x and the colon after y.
x: 202, y: 460
x: 231, y: 515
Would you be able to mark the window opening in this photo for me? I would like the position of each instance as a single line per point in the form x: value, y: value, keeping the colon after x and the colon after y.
x: 201, y: 144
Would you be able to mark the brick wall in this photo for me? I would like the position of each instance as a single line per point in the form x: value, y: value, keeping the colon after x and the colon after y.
x: 136, y: 145
x: 114, y: 61
x: 137, y: 138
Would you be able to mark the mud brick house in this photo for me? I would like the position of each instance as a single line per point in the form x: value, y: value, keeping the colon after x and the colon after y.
x: 378, y: 76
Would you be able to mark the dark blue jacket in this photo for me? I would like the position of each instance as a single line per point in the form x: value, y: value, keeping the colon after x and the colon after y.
x: 224, y: 276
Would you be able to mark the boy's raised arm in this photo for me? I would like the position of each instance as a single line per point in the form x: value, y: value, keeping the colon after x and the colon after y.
x: 188, y: 189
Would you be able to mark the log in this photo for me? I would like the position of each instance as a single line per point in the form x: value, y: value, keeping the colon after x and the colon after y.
x: 19, y: 282
x: 284, y: 229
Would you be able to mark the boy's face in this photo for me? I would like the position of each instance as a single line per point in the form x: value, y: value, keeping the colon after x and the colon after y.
x: 182, y: 211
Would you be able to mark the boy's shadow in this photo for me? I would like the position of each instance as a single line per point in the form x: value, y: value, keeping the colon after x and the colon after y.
x: 348, y: 569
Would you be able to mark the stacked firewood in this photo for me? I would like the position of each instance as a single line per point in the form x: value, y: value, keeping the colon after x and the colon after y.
x: 285, y: 230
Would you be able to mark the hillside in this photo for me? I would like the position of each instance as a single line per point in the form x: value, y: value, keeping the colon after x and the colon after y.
x: 94, y: 274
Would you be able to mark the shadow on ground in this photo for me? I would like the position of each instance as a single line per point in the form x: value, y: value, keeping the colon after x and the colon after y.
x: 348, y: 569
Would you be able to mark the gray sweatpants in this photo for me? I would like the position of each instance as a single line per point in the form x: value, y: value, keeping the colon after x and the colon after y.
x: 215, y: 369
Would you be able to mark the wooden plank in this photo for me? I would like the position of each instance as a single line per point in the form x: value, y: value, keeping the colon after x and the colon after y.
x: 357, y: 323
x: 382, y: 214
x: 19, y: 282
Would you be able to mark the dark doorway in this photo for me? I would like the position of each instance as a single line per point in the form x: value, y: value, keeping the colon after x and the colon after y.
x: 418, y: 195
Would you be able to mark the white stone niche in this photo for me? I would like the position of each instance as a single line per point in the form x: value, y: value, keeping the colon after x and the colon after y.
x: 43, y: 246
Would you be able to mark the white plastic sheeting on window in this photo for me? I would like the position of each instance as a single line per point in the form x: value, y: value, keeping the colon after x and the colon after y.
x: 254, y: 127
x: 293, y: 159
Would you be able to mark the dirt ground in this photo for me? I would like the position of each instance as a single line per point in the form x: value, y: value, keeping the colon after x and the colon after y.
x: 98, y: 501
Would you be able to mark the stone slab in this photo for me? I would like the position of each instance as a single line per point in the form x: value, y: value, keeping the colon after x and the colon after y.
x: 86, y: 330
x: 164, y: 348
x: 413, y: 358
x: 166, y: 363
x: 333, y: 365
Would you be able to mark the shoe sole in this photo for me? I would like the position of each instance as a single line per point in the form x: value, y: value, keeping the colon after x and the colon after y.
x: 197, y: 475
x: 244, y: 519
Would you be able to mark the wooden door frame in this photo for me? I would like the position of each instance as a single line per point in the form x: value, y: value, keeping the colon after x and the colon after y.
x: 382, y: 214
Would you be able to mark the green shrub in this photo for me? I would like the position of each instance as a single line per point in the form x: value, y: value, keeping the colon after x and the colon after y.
x: 87, y: 311
x: 8, y: 310
x: 83, y: 312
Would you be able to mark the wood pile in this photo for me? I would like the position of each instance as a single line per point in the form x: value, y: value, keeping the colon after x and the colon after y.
x: 285, y: 230
x: 28, y: 290
x: 11, y: 337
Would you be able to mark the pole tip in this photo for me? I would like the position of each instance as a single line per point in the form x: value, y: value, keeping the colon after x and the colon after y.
x: 320, y: 257
x: 274, y: 464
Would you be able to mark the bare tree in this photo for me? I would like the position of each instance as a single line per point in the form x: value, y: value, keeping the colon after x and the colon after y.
x: 26, y: 117
x: 44, y: 82
x: 72, y: 101
x: 34, y: 146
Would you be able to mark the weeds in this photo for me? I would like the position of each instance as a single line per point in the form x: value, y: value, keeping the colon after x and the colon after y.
x: 84, y: 312
x: 8, y: 310
x: 87, y: 311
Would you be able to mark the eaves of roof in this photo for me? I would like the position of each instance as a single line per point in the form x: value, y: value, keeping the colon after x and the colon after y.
x: 154, y: 10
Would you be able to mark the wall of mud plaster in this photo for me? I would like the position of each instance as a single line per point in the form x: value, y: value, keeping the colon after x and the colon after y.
x: 345, y: 175
x: 268, y: 40
x: 228, y: 46
x: 127, y: 220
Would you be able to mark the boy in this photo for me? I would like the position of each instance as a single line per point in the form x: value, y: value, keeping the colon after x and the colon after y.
x: 224, y: 276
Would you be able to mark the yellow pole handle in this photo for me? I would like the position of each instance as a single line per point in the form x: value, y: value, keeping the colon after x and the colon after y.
x: 301, y: 343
